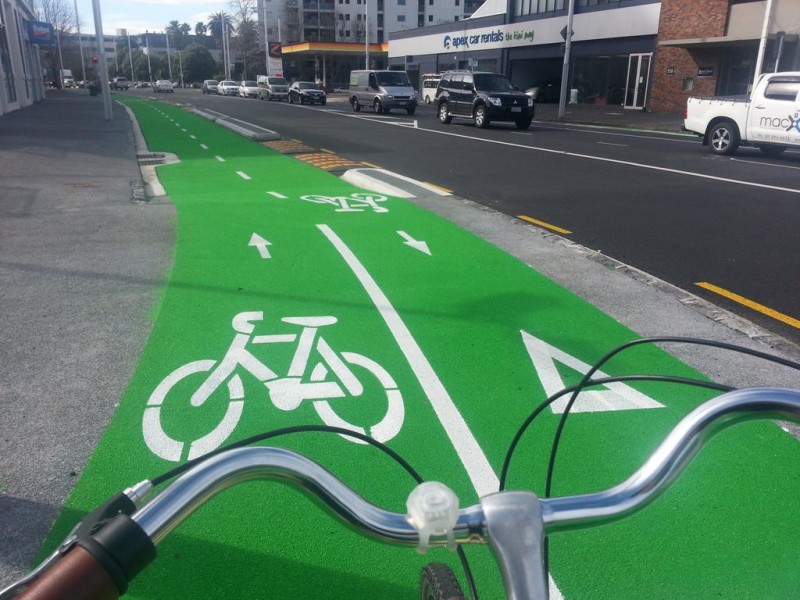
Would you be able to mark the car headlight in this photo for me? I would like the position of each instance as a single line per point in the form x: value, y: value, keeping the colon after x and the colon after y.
x: 389, y: 97
x: 495, y: 101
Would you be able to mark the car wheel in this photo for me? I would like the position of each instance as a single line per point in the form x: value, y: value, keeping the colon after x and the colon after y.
x: 302, y: 99
x: 772, y: 151
x: 411, y: 110
x: 376, y: 106
x: 323, y: 102
x: 481, y: 116
x: 355, y: 104
x: 444, y: 113
x: 524, y: 123
x: 291, y: 99
x: 724, y: 137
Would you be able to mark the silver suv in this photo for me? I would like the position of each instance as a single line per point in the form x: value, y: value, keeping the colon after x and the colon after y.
x: 272, y: 88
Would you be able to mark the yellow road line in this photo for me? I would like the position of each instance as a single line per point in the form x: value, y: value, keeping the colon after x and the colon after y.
x: 750, y: 304
x: 371, y: 165
x: 543, y: 224
x: 438, y: 187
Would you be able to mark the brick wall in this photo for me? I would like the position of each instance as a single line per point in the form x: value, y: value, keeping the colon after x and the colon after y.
x: 686, y: 19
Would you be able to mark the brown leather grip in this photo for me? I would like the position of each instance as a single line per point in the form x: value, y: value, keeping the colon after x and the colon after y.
x: 77, y: 576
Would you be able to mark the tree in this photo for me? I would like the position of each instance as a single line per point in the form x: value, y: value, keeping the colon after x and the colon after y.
x: 216, y: 21
x: 200, y: 29
x: 244, y: 12
x: 61, y: 15
x: 198, y: 64
x: 178, y: 34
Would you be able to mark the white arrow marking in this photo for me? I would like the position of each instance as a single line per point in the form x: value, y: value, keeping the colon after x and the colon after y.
x: 416, y: 244
x: 278, y: 195
x: 260, y: 243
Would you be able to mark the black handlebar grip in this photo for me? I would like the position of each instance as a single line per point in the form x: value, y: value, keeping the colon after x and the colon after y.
x: 77, y: 576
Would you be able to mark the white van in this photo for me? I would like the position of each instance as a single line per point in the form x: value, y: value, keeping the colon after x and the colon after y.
x: 429, y: 84
x: 382, y: 90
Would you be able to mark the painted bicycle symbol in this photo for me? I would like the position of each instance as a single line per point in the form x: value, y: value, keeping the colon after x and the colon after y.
x: 358, y: 202
x: 317, y: 373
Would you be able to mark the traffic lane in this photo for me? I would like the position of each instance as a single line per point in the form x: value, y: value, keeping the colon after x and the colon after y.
x: 682, y: 232
x: 645, y: 234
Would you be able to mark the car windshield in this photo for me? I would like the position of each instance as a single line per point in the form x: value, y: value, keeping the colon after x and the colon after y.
x: 228, y: 83
x: 392, y: 78
x: 249, y: 83
x: 307, y: 85
x: 277, y: 81
x: 492, y: 82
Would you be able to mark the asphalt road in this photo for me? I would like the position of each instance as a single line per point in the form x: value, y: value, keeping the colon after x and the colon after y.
x: 659, y: 202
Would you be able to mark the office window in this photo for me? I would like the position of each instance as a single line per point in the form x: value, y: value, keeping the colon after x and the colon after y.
x: 347, y: 17
x: 430, y: 2
x: 347, y: 33
x: 430, y: 18
x: 401, y: 18
x: 456, y: 18
x: 358, y: 17
x: 341, y: 16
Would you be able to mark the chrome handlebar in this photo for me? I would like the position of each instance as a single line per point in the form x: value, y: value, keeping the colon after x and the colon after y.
x: 512, y: 523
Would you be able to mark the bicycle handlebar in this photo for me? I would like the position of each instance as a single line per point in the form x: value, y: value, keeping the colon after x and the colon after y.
x: 514, y: 524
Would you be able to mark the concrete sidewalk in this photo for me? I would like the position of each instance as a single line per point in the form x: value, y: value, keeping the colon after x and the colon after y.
x: 612, y: 116
x: 83, y: 258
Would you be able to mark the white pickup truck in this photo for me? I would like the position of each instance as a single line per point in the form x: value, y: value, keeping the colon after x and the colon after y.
x: 769, y: 120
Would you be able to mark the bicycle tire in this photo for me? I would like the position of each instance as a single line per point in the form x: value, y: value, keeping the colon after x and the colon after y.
x: 438, y: 582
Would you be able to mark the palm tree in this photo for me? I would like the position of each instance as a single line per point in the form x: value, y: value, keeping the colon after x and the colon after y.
x: 200, y: 29
x: 215, y: 21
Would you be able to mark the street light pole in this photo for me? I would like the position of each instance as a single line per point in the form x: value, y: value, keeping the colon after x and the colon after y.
x: 80, y: 42
x: 130, y: 56
x: 266, y: 41
x: 101, y: 60
x: 562, y: 101
x: 169, y: 60
x: 366, y: 34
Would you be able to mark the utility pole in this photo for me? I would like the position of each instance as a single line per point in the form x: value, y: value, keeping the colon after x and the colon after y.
x: 147, y: 47
x: 130, y: 55
x: 762, y: 48
x: 80, y: 41
x: 266, y: 41
x: 366, y: 34
x: 101, y: 60
x: 169, y: 60
x: 562, y: 102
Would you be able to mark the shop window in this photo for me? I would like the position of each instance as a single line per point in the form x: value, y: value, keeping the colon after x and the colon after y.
x: 688, y: 84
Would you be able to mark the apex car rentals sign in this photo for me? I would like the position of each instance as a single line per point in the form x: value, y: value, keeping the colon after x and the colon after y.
x: 622, y: 22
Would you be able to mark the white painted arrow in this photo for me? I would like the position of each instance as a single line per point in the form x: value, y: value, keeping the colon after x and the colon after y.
x: 260, y: 243
x: 416, y: 244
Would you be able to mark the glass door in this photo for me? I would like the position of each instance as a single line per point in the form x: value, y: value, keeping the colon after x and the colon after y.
x: 638, y: 80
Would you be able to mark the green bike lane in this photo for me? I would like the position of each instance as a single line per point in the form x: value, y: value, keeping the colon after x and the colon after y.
x: 454, y: 347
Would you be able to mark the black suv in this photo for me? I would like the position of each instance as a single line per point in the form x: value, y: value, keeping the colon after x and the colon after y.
x: 483, y: 97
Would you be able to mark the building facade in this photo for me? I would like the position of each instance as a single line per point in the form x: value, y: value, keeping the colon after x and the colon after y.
x: 21, y: 77
x: 635, y: 54
x: 711, y: 47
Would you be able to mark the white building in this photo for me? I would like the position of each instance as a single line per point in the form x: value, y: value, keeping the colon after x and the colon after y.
x: 21, y: 77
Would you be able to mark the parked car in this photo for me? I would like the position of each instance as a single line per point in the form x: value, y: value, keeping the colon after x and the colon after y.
x: 227, y: 87
x: 163, y: 85
x: 248, y: 89
x: 547, y: 91
x: 272, y: 88
x: 142, y: 84
x: 767, y: 120
x: 382, y: 90
x: 482, y: 97
x: 429, y: 84
x: 307, y: 92
x: 120, y: 83
x: 210, y: 86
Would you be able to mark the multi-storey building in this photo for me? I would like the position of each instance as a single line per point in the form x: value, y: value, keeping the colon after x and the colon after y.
x: 324, y: 39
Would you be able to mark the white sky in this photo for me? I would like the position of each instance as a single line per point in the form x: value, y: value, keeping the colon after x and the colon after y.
x: 139, y: 16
